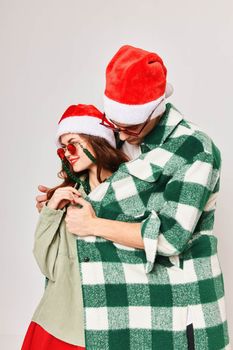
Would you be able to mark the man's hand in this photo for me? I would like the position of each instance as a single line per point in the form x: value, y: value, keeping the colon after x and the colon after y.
x: 42, y: 198
x: 84, y: 222
x: 80, y: 221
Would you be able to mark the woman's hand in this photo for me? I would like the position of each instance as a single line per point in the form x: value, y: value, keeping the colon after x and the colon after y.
x: 80, y: 221
x: 63, y: 196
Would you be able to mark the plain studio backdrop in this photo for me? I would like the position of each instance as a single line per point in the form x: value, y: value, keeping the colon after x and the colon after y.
x: 53, y: 54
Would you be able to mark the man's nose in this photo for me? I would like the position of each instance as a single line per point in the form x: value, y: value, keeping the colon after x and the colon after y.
x: 123, y: 136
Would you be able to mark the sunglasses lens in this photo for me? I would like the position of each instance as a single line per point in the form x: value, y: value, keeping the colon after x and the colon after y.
x: 71, y: 148
x: 61, y: 153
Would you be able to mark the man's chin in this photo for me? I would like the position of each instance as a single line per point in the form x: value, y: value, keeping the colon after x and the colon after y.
x: 134, y: 141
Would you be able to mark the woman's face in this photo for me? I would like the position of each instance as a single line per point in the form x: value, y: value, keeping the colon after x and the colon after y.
x: 79, y: 161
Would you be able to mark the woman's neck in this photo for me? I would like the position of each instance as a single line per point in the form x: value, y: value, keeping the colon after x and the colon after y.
x: 93, y: 181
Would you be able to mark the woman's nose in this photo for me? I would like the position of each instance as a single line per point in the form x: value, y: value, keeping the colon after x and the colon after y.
x: 67, y: 153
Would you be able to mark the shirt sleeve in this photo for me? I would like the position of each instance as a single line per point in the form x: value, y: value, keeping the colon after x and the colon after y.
x: 47, y: 239
x: 186, y: 195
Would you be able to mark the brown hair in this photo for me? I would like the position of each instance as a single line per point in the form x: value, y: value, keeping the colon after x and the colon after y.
x: 107, y: 157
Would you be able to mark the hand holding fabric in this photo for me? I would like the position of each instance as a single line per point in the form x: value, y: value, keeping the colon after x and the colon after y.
x: 80, y: 220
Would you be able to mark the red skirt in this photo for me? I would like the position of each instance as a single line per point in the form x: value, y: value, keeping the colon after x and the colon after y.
x: 37, y: 338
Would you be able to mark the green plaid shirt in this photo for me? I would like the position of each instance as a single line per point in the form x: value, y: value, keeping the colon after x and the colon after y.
x: 138, y: 299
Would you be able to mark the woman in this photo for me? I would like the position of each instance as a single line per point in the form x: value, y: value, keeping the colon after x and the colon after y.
x: 88, y: 154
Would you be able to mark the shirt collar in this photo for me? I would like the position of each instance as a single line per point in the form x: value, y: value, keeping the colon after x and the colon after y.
x: 169, y: 121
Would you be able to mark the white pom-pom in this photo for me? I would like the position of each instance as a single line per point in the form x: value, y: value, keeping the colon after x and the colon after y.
x: 169, y: 90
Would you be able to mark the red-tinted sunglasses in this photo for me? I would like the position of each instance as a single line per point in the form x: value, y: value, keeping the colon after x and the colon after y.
x: 70, y: 147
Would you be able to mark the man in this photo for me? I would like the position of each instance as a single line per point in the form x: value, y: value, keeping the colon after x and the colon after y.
x: 183, y: 164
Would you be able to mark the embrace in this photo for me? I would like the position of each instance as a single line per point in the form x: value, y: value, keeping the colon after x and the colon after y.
x: 125, y: 241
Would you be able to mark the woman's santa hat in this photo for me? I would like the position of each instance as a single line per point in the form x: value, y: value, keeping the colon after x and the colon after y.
x: 84, y: 119
x: 135, y: 86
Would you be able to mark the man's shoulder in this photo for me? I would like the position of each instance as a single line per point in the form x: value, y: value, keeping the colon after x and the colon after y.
x: 192, y: 140
x: 191, y: 132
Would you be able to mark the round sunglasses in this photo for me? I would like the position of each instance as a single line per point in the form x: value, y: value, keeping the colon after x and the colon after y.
x: 70, y: 147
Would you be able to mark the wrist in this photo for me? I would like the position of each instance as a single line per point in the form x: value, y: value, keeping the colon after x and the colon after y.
x: 51, y: 205
x: 94, y: 227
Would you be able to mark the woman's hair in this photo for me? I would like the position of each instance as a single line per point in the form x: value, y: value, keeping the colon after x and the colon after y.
x: 107, y: 158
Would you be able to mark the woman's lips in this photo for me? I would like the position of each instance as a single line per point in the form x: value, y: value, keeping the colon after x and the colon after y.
x: 74, y: 160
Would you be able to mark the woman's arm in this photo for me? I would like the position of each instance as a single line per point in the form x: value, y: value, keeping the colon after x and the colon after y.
x: 47, y: 239
x: 47, y: 235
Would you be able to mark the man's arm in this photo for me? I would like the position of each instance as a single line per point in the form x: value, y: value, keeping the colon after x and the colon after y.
x: 167, y: 232
x: 84, y: 222
x: 125, y: 233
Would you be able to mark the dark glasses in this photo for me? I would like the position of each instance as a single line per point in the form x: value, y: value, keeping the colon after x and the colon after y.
x: 127, y: 130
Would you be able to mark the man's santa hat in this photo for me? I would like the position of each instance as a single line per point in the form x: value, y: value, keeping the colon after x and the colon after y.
x: 83, y: 119
x: 135, y: 86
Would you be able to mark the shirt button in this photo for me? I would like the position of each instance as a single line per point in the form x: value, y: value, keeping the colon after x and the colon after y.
x: 86, y: 259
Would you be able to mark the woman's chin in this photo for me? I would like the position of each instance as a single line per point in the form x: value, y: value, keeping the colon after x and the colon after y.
x: 78, y: 168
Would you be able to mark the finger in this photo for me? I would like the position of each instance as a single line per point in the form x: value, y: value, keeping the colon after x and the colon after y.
x: 43, y: 188
x: 70, y: 210
x: 81, y: 201
x: 39, y: 207
x: 76, y: 196
x: 70, y: 189
x: 41, y: 198
x: 65, y: 195
x: 63, y: 203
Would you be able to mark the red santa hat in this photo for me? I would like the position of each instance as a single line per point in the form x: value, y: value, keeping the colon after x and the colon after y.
x: 135, y: 86
x: 83, y: 119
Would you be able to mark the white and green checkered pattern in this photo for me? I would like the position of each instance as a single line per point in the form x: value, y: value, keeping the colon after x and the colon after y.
x: 138, y: 299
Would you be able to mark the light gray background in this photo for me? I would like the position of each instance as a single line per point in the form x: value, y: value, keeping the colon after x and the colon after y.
x: 54, y: 53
